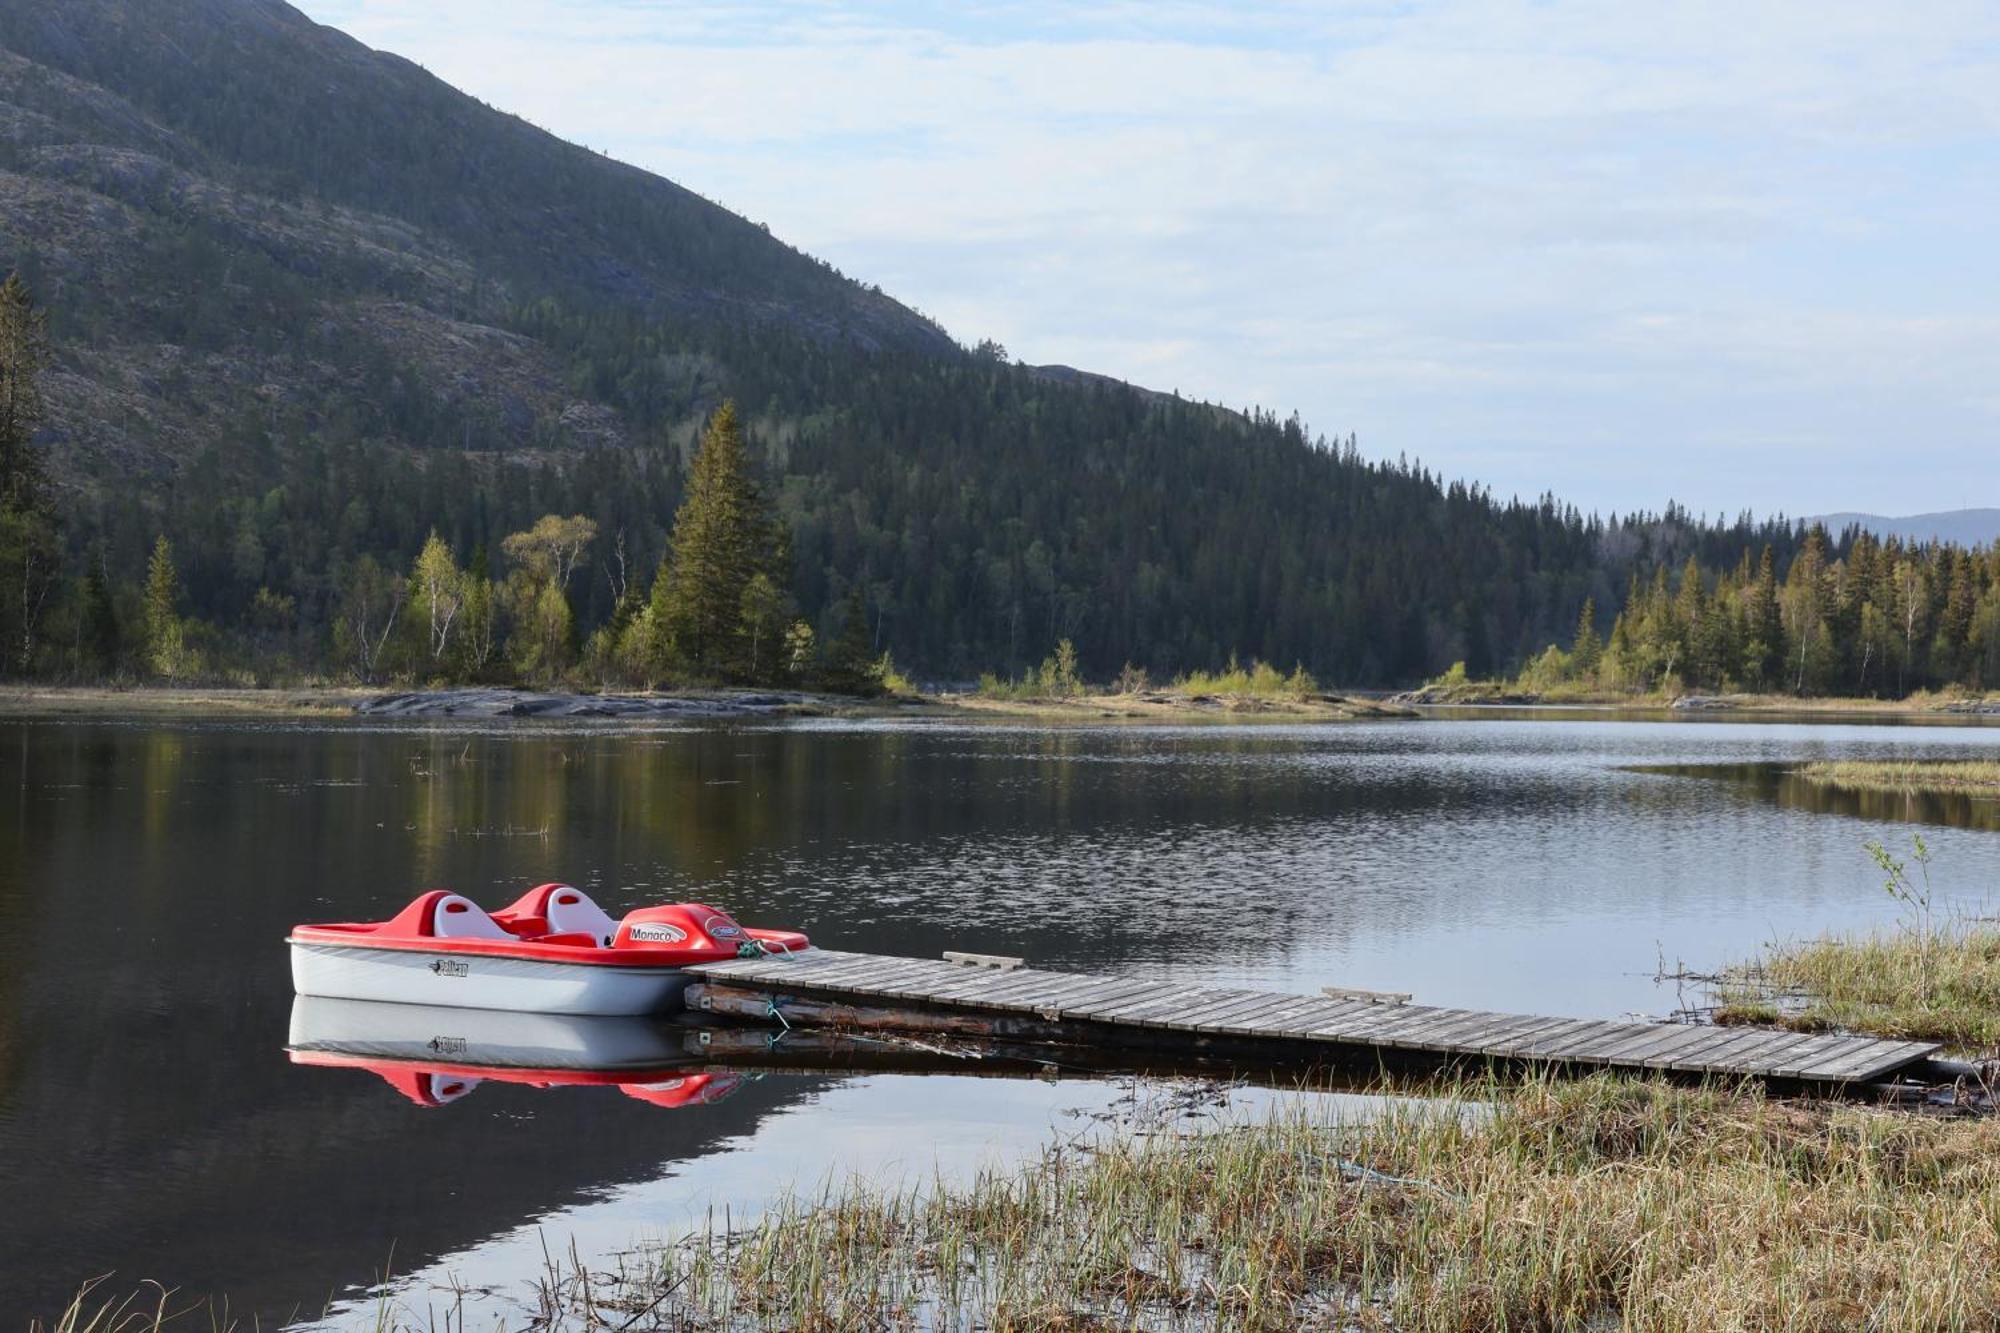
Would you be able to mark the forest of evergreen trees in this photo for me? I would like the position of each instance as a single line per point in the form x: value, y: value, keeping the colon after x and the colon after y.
x: 1870, y: 618
x: 1146, y: 530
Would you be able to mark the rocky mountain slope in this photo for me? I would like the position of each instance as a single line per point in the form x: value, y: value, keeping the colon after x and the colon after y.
x: 234, y: 209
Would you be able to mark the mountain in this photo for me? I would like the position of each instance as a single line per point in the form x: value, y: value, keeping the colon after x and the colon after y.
x: 311, y: 304
x: 186, y: 171
x: 1958, y: 527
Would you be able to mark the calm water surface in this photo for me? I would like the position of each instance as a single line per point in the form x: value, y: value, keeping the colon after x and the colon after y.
x: 151, y: 1122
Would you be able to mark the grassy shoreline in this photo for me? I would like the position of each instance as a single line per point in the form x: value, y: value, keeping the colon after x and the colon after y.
x: 56, y: 701
x: 327, y: 702
x: 1163, y: 705
x: 1500, y: 694
x: 1167, y: 705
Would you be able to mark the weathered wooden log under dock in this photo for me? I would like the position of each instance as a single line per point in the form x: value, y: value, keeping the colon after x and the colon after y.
x: 870, y: 992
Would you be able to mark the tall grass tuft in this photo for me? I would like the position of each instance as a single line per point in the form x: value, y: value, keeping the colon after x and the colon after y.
x: 141, y: 1311
x: 1932, y: 983
x: 1924, y: 980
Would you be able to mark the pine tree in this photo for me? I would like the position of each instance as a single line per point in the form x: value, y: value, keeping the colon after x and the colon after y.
x: 763, y: 622
x: 1807, y: 602
x: 1764, y: 631
x: 23, y: 353
x: 657, y: 655
x: 850, y: 661
x: 723, y: 537
x: 30, y: 550
x: 1586, y: 650
x: 1951, y: 653
x: 165, y: 636
x: 97, y: 621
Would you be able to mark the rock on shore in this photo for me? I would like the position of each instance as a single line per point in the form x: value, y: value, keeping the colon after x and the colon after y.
x: 498, y: 703
x: 1448, y: 695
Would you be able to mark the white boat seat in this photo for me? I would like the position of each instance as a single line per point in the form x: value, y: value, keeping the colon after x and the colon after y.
x: 571, y: 912
x: 456, y: 917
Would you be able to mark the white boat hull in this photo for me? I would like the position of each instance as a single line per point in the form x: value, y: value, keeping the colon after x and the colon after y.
x: 483, y: 981
x: 372, y: 1030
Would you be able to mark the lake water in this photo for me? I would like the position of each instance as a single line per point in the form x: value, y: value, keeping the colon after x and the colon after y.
x: 151, y: 1122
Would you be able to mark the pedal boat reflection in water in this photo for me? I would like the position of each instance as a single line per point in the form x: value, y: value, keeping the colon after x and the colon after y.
x: 435, y: 1055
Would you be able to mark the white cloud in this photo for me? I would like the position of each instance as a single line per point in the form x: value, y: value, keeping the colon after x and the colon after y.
x: 1730, y: 254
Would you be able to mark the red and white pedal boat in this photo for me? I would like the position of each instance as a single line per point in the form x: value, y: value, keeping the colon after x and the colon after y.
x: 553, y: 952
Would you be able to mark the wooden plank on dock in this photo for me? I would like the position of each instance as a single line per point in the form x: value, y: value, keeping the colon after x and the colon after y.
x: 890, y: 981
x: 1156, y: 1013
x: 1373, y: 996
x: 1295, y: 1020
x: 1347, y: 1021
x: 1216, y: 1017
x: 991, y: 989
x: 1511, y: 1031
x: 1109, y: 993
x: 1385, y: 1025
x: 1682, y: 1045
x: 1639, y: 1041
x: 1546, y: 1046
x: 1448, y: 1030
x: 1350, y: 1027
x: 1115, y: 1011
x: 859, y: 973
x: 1859, y: 1065
x: 1764, y: 1058
x: 1680, y: 1048
x: 999, y: 962
x: 1799, y: 1058
x: 1257, y: 1017
x: 1735, y: 1044
x: 1118, y: 993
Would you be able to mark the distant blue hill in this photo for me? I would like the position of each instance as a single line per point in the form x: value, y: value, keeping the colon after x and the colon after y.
x: 1961, y: 527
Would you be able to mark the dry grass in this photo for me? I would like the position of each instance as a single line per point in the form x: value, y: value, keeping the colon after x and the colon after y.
x: 150, y: 700
x: 1886, y: 984
x: 1912, y: 775
x: 142, y: 1311
x: 1596, y: 1204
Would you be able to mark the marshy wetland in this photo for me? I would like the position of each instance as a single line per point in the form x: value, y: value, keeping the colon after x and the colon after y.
x: 153, y: 1125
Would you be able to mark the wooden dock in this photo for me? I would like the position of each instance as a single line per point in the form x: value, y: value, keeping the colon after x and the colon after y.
x: 824, y: 987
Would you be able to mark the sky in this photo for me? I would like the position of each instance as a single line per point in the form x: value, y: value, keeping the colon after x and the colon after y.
x: 1740, y: 256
